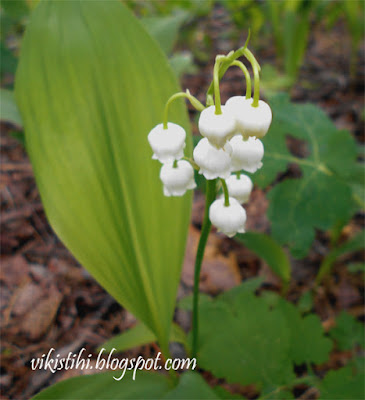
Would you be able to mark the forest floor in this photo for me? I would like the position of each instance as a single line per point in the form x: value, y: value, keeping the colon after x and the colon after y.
x: 49, y: 301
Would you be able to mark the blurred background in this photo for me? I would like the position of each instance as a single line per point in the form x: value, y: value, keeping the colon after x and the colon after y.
x: 311, y: 49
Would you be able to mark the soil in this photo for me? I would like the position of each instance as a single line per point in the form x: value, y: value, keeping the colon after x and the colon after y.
x: 49, y: 301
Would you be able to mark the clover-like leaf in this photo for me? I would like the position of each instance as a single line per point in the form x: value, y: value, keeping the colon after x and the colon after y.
x: 265, y: 339
x: 255, y: 348
x: 348, y: 331
x: 342, y: 384
x: 308, y: 343
x: 299, y: 206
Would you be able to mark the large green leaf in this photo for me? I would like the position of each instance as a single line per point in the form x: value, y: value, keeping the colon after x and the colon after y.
x: 323, y: 195
x: 104, y: 386
x: 91, y: 84
x: 146, y: 386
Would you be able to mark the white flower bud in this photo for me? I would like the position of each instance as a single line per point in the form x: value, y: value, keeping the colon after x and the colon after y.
x: 213, y: 163
x: 239, y: 187
x: 251, y: 121
x: 177, y: 180
x: 167, y: 144
x: 246, y: 154
x: 230, y: 219
x: 217, y: 128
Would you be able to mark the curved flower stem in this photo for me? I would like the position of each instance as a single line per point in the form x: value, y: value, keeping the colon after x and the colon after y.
x: 217, y: 94
x: 193, y: 100
x: 242, y: 66
x: 210, y: 194
x: 238, y: 174
x: 192, y: 163
x: 256, y: 76
x: 225, y: 191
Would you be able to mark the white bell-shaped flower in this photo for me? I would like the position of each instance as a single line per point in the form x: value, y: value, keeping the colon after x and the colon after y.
x: 213, y: 163
x: 257, y: 120
x: 177, y: 180
x: 246, y: 154
x: 167, y: 144
x: 228, y: 219
x: 239, y: 187
x: 237, y: 105
x: 217, y: 128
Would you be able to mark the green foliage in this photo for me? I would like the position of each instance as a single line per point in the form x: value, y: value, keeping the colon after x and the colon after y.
x: 164, y: 29
x: 348, y: 332
x: 307, y: 341
x: 97, y: 94
x: 268, y: 249
x: 9, y: 111
x: 305, y: 303
x: 224, y: 394
x: 146, y: 386
x: 8, y: 61
x: 355, y: 244
x: 140, y: 335
x: 342, y: 384
x: 264, y: 341
x: 327, y: 169
x: 192, y: 386
x: 103, y: 386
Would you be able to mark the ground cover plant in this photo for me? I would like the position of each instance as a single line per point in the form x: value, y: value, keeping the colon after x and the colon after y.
x: 110, y: 143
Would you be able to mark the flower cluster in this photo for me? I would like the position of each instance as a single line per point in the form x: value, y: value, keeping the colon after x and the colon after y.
x: 230, y: 144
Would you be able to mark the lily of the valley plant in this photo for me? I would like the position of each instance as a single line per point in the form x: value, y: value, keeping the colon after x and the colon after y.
x: 231, y: 143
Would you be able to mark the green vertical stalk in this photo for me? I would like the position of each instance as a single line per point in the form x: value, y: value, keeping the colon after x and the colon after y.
x: 210, y: 194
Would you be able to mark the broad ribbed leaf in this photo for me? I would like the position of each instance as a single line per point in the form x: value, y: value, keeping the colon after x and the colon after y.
x: 103, y: 386
x: 90, y: 85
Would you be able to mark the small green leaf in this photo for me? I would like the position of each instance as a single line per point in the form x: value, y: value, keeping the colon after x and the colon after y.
x: 165, y: 29
x: 268, y: 249
x: 140, y: 335
x: 192, y: 386
x: 300, y: 206
x: 342, y: 384
x: 9, y: 111
x: 348, y: 332
x: 104, y: 387
x: 182, y: 63
x: 305, y: 303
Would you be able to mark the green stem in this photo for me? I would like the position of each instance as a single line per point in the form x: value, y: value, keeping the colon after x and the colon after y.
x: 225, y: 191
x: 174, y: 165
x: 223, y: 68
x: 256, y: 76
x: 210, y: 194
x: 194, y: 101
x: 238, y: 174
x: 242, y: 66
x: 192, y: 162
x: 217, y: 94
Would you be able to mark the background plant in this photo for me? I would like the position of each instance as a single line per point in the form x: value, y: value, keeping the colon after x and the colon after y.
x: 285, y: 380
